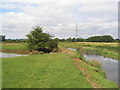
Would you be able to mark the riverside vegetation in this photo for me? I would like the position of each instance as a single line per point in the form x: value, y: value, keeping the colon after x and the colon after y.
x: 110, y: 50
x: 63, y: 69
x: 50, y: 65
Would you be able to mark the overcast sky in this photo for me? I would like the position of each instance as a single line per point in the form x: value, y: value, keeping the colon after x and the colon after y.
x: 59, y: 17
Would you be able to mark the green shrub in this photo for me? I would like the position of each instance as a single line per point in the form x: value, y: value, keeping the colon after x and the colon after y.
x: 39, y: 41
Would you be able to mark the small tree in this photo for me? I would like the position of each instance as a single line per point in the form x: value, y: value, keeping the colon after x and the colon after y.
x: 39, y: 41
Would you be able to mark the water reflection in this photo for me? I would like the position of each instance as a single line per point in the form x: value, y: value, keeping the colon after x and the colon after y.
x: 110, y: 66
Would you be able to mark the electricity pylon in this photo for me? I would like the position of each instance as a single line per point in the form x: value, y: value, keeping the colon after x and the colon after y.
x: 76, y: 33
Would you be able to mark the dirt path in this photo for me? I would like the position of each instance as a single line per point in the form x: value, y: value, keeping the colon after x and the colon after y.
x: 77, y: 64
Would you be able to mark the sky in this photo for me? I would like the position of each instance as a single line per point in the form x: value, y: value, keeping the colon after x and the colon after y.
x: 59, y: 17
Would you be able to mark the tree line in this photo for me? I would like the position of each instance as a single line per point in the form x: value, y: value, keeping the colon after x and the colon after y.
x: 105, y: 38
x: 38, y: 41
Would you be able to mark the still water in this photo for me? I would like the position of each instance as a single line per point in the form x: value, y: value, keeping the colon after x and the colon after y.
x: 6, y: 55
x: 109, y: 65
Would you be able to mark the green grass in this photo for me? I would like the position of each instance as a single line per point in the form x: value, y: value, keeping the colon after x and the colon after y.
x: 97, y: 76
x: 16, y: 46
x: 42, y: 71
x: 20, y: 48
x: 49, y: 71
x: 105, y: 49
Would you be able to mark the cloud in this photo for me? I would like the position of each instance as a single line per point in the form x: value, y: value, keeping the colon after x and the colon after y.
x: 100, y: 9
x: 59, y: 18
x: 18, y: 23
x: 62, y: 1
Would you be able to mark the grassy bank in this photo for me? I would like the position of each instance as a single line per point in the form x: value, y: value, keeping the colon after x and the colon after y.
x: 105, y: 49
x: 65, y: 69
x: 42, y: 71
x: 62, y: 70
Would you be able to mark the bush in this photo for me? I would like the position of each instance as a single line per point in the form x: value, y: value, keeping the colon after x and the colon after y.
x: 39, y: 41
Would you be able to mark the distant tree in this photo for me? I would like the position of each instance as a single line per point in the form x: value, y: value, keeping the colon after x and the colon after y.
x: 73, y: 40
x: 16, y: 40
x: 57, y: 39
x: 105, y: 38
x: 63, y: 40
x: 117, y: 40
x: 39, y: 41
x: 69, y: 40
x: 80, y: 39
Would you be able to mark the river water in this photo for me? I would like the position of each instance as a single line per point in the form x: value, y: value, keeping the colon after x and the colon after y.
x: 109, y: 65
x: 6, y: 55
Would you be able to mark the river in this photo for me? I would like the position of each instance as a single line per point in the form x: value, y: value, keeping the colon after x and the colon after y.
x: 6, y: 55
x: 109, y: 65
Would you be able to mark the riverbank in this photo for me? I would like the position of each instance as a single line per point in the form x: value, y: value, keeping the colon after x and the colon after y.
x: 42, y: 71
x: 109, y: 50
x: 105, y: 49
x: 64, y: 69
x: 110, y: 66
x: 61, y: 70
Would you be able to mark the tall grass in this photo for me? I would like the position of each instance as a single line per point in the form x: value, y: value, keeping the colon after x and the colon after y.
x: 95, y: 63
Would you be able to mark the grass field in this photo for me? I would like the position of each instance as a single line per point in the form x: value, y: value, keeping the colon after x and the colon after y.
x: 42, y: 71
x: 52, y: 71
x: 65, y: 69
x: 20, y: 48
x: 105, y: 49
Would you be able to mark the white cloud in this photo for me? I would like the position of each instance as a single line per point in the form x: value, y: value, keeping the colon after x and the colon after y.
x: 107, y: 9
x: 63, y: 1
x: 17, y: 24
x: 59, y: 18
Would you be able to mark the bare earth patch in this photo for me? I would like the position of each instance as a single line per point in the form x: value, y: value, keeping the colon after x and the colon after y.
x: 77, y: 61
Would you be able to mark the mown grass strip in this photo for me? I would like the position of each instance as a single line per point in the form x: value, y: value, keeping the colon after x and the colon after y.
x: 42, y: 71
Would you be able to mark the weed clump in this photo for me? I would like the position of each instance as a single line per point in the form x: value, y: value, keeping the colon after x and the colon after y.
x: 95, y: 63
x: 36, y: 52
